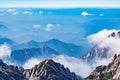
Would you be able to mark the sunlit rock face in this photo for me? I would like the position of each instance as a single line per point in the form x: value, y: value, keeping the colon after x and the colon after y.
x: 50, y: 70
x: 109, y: 72
x: 46, y: 70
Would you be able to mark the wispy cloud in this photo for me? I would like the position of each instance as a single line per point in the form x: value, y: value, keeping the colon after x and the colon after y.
x: 14, y: 13
x: 36, y: 26
x: 27, y: 12
x: 86, y: 14
x: 11, y: 10
x: 5, y: 51
x: 49, y: 27
x: 104, y: 42
x: 74, y: 64
x: 101, y: 14
x: 100, y: 36
x: 31, y: 63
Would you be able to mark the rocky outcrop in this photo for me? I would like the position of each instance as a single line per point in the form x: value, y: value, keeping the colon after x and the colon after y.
x: 8, y: 72
x: 101, y: 52
x: 109, y: 72
x: 50, y: 70
x: 46, y: 70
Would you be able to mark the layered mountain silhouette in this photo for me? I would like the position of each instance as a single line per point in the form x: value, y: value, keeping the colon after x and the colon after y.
x: 21, y: 56
x: 7, y: 41
x: 46, y: 70
x: 59, y: 46
x: 22, y: 52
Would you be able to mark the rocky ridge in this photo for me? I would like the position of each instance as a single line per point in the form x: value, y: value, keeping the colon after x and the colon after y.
x: 109, y: 72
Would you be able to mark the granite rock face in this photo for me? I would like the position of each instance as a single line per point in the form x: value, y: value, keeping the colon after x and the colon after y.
x: 46, y: 70
x: 49, y: 70
x: 8, y: 72
x: 109, y: 72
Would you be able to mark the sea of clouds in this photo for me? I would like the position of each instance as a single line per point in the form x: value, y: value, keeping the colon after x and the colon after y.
x: 77, y: 65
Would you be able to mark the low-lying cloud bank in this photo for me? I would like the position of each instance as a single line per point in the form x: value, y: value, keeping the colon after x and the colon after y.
x: 81, y: 67
x: 74, y: 64
x: 101, y: 38
x: 31, y: 63
x: 5, y: 51
x: 106, y: 39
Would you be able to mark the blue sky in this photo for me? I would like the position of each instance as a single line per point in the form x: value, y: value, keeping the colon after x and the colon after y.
x: 59, y: 3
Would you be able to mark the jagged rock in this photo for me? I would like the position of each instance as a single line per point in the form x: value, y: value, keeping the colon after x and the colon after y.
x: 109, y: 72
x: 49, y: 70
x: 8, y: 72
x: 46, y: 70
x: 98, y: 52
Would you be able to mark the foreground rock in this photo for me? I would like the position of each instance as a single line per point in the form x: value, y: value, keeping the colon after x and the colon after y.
x: 46, y: 70
x: 109, y: 72
x: 49, y: 70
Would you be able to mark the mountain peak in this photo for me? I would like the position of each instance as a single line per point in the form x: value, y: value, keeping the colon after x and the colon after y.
x: 54, y: 40
x: 115, y: 34
x: 32, y: 41
x: 50, y: 70
x: 6, y: 40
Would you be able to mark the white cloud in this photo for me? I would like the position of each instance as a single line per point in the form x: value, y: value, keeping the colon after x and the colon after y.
x: 100, y: 36
x: 101, y: 14
x: 15, y: 13
x: 49, y: 27
x: 75, y: 65
x: 41, y: 12
x: 31, y: 63
x: 112, y: 43
x: 36, y: 26
x: 103, y: 61
x: 86, y: 14
x: 4, y: 51
x: 58, y: 25
x: 27, y: 12
x: 11, y: 10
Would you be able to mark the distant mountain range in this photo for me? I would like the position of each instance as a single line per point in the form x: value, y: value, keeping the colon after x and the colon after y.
x: 46, y: 70
x: 21, y: 56
x: 59, y: 46
x: 35, y: 49
x: 7, y: 41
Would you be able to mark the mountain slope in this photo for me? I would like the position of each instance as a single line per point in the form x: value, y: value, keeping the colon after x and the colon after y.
x: 8, y: 72
x: 20, y: 56
x: 59, y: 46
x: 64, y: 48
x: 109, y: 72
x: 46, y: 70
x: 7, y: 41
x: 106, y: 51
x: 49, y: 70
